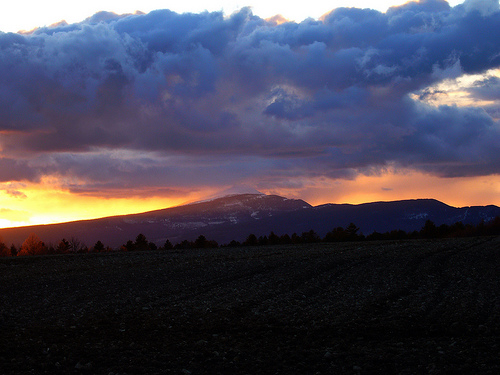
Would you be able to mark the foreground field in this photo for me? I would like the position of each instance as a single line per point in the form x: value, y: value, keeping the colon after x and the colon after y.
x: 370, y: 307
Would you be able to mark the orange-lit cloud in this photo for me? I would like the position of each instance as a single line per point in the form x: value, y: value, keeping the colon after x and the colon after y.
x: 277, y: 19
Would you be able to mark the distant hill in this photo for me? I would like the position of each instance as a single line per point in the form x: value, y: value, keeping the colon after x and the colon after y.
x: 235, y: 216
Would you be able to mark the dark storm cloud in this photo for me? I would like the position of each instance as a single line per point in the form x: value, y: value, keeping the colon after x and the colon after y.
x: 487, y: 89
x: 248, y: 97
x: 15, y: 170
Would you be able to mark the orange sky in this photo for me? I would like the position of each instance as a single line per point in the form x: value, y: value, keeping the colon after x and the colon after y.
x: 458, y: 192
x: 47, y: 203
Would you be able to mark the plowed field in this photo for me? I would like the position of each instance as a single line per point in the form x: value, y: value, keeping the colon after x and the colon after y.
x: 426, y: 306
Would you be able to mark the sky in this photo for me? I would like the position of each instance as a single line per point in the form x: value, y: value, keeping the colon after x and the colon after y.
x: 128, y: 108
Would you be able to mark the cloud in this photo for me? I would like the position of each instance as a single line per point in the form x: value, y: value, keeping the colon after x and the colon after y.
x: 167, y: 99
x: 16, y: 170
x: 484, y: 7
x: 17, y: 194
x: 486, y: 89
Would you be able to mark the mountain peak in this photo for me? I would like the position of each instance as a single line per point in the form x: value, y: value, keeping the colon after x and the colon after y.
x: 232, y: 191
x: 238, y: 190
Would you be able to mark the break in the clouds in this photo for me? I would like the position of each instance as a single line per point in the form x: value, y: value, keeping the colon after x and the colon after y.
x: 182, y: 100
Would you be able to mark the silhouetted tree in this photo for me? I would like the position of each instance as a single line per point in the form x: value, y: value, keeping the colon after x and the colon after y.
x: 184, y: 245
x: 375, y: 236
x: 200, y: 242
x: 51, y: 249
x: 13, y: 250
x: 429, y: 230
x: 336, y: 235
x: 457, y: 229
x: 414, y: 234
x: 310, y: 237
x: 141, y: 243
x: 76, y: 246
x: 443, y: 231
x: 4, y: 250
x: 470, y: 230
x: 273, y: 239
x: 481, y: 228
x: 396, y: 235
x: 251, y: 240
x: 63, y: 247
x: 351, y: 232
x: 263, y: 240
x: 167, y: 245
x: 32, y: 246
x: 295, y: 239
x: 129, y: 246
x: 98, y: 247
x: 285, y: 239
x: 493, y: 227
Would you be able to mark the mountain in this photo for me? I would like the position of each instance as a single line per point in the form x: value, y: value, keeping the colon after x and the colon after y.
x: 222, y: 219
x: 408, y: 215
x: 235, y: 216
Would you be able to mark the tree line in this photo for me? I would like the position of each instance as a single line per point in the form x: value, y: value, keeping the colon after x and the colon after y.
x: 34, y: 246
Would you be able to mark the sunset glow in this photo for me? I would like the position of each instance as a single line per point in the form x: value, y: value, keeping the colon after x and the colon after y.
x: 459, y: 91
x: 47, y: 203
x: 457, y: 192
x: 125, y: 112
x: 44, y: 204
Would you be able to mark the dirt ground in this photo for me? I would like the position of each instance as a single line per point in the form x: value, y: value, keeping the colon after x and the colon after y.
x: 408, y: 307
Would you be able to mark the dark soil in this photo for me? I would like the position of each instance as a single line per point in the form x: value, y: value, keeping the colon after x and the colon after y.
x: 410, y: 307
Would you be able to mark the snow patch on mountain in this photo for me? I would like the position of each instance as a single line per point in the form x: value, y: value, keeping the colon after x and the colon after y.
x: 231, y: 192
x: 419, y: 216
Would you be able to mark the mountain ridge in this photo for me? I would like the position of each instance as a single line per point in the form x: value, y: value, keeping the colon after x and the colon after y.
x: 235, y: 216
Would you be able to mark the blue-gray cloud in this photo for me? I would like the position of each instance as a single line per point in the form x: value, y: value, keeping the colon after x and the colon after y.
x: 222, y: 99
